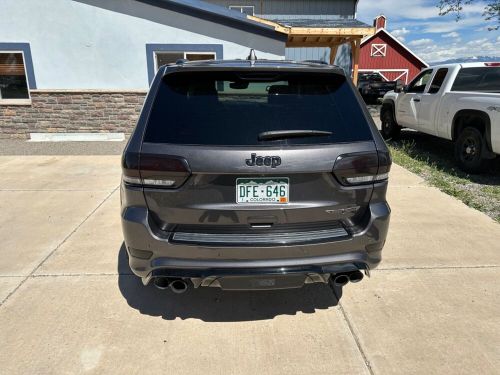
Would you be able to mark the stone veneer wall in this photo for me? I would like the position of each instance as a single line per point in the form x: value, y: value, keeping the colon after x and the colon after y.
x: 71, y: 112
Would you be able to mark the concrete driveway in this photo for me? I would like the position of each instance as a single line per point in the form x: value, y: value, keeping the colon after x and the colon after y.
x: 70, y: 305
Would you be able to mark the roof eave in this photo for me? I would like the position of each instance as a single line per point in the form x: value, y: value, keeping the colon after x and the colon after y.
x: 240, y: 23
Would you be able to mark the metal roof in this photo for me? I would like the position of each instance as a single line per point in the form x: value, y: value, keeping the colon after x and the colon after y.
x: 323, y: 23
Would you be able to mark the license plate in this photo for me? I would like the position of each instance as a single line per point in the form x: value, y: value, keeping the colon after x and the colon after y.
x: 262, y: 190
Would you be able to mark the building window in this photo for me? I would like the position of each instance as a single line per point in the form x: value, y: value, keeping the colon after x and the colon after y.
x: 13, y: 77
x: 378, y: 50
x: 170, y: 57
x: 247, y: 9
x: 162, y: 54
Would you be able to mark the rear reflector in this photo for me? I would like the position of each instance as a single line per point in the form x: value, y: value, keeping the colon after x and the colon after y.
x: 362, y: 168
x: 366, y: 179
x: 150, y: 181
x: 141, y: 254
x: 160, y: 171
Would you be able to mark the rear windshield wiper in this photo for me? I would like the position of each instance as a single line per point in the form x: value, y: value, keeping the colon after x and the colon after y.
x: 283, y: 134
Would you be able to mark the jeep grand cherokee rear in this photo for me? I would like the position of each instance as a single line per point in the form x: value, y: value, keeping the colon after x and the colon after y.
x: 253, y: 175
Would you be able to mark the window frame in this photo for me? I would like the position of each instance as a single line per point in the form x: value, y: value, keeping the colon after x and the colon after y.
x: 152, y: 49
x: 428, y: 91
x: 25, y: 51
x: 421, y: 74
x: 240, y: 8
x: 185, y: 53
x: 377, y: 48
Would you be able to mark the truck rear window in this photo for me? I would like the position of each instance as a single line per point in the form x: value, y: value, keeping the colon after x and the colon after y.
x: 481, y: 79
x: 231, y: 109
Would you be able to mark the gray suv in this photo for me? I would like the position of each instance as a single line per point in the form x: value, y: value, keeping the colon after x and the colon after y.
x: 253, y: 175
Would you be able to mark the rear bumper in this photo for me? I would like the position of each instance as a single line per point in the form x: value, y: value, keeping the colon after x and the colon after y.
x: 160, y: 257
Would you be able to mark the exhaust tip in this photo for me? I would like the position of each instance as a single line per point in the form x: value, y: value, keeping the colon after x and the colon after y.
x: 178, y: 286
x: 356, y: 276
x: 341, y: 280
x: 161, y: 282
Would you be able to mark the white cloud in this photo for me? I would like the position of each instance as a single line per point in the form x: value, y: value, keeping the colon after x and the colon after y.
x: 400, y: 33
x: 421, y: 42
x: 443, y: 51
x: 477, y: 42
x: 415, y: 9
x: 453, y: 34
x: 422, y: 14
x: 447, y: 26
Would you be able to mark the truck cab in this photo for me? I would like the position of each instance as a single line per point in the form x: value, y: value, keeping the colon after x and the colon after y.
x: 459, y: 102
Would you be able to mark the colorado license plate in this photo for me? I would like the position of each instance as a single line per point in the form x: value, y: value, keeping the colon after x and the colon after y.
x: 262, y: 190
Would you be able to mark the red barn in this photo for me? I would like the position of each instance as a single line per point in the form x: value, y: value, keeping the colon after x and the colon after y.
x: 385, y: 54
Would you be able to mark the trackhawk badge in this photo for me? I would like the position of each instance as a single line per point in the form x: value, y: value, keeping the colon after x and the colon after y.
x: 259, y: 161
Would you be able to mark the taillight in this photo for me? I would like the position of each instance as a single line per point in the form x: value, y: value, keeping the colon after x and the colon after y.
x: 362, y: 168
x: 130, y: 168
x: 161, y: 171
x: 492, y: 64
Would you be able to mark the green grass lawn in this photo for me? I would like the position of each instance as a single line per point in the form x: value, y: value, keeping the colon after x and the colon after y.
x: 432, y: 159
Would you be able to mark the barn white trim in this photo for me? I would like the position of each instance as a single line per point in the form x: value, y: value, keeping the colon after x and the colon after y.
x: 378, y: 50
x: 404, y: 73
x: 370, y: 37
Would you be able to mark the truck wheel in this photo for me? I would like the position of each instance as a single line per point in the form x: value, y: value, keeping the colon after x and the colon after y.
x: 468, y: 150
x: 390, y: 129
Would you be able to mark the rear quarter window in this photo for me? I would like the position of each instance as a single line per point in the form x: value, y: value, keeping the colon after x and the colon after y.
x: 480, y: 79
x: 232, y: 109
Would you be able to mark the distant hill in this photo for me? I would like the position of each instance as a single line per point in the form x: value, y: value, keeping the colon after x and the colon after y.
x: 468, y: 59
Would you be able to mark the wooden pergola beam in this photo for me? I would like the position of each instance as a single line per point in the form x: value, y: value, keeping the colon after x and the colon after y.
x: 297, y: 44
x: 277, y: 26
x: 333, y: 53
x: 331, y: 37
x: 355, y: 48
x: 361, y: 31
x: 320, y: 40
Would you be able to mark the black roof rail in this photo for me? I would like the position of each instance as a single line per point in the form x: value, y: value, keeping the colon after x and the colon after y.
x: 316, y: 62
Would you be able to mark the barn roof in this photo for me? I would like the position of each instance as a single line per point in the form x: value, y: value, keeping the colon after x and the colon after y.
x: 382, y: 30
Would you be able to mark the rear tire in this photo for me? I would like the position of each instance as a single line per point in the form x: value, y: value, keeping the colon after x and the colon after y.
x: 390, y: 128
x: 468, y: 150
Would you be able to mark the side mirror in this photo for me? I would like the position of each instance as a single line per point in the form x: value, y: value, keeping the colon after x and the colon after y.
x: 399, y: 86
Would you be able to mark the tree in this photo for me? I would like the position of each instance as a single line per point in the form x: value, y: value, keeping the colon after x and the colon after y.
x: 491, y: 10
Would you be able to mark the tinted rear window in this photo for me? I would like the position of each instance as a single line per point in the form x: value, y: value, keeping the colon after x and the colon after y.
x: 485, y: 79
x: 220, y: 108
x: 372, y: 77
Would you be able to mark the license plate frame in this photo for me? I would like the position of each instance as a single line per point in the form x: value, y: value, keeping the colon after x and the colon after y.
x: 259, y: 185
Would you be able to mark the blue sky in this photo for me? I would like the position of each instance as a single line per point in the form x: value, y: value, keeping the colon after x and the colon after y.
x: 432, y: 37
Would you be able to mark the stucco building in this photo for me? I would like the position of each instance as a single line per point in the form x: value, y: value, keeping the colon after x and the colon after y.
x: 85, y: 65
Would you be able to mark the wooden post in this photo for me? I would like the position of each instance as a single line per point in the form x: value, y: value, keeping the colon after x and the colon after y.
x: 355, y: 47
x: 333, y: 53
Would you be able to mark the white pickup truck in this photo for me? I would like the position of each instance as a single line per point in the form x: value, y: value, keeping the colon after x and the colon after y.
x: 459, y: 102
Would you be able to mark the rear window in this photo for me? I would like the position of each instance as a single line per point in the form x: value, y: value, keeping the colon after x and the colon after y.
x: 370, y: 77
x: 232, y: 109
x: 480, y: 79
